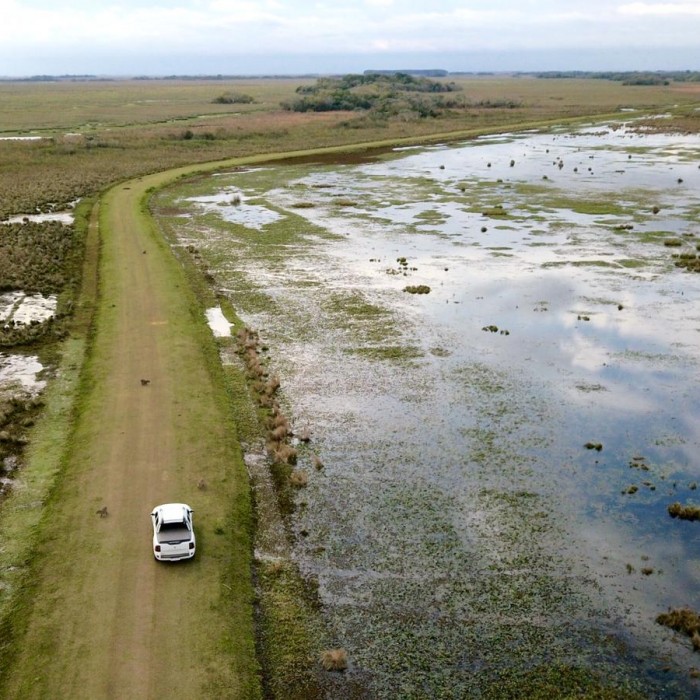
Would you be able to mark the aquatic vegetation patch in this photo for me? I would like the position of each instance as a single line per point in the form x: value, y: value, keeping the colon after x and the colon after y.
x: 430, y: 216
x: 684, y: 512
x: 404, y: 353
x: 363, y: 320
x: 355, y: 305
x: 683, y: 620
x: 578, y: 263
x: 497, y: 211
x: 417, y: 289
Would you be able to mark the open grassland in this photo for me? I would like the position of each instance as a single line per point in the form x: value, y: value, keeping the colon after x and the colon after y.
x: 100, y: 132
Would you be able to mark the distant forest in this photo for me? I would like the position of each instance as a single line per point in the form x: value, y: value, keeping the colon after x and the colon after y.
x: 629, y: 77
x: 411, y: 80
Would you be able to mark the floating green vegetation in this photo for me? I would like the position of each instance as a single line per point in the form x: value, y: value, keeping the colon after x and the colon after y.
x: 494, y: 329
x: 417, y: 289
x: 631, y: 263
x: 587, y: 388
x: 355, y: 305
x: 430, y: 215
x: 251, y: 300
x: 350, y: 311
x: 299, y: 283
x: 578, y: 263
x: 496, y: 211
x: 561, y: 680
x: 388, y: 352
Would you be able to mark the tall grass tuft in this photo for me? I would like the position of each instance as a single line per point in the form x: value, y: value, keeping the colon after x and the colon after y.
x: 334, y: 659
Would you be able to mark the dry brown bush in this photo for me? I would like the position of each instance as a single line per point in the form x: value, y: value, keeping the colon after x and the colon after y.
x: 334, y: 659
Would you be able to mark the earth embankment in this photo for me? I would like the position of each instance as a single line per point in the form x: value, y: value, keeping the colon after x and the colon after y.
x: 106, y: 620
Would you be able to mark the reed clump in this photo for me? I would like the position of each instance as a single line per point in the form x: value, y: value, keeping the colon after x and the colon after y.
x: 334, y: 659
x: 687, y: 512
x: 683, y: 620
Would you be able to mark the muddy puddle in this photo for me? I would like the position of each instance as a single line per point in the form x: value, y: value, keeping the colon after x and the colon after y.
x: 461, y: 532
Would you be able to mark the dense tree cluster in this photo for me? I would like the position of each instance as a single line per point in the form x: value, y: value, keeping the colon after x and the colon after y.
x: 389, y: 93
x: 234, y: 98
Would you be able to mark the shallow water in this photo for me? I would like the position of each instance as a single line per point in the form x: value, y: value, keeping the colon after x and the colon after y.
x: 21, y: 371
x: 220, y: 327
x: 460, y: 527
x: 24, y: 308
x: 65, y: 217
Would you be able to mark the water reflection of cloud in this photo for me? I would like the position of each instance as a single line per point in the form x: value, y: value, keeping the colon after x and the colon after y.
x: 23, y: 371
x: 234, y: 211
x: 583, y: 352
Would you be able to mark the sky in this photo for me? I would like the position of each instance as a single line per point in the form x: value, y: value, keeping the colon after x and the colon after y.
x: 273, y: 37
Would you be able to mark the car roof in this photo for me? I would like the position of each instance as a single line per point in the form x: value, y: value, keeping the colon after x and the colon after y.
x: 172, y: 511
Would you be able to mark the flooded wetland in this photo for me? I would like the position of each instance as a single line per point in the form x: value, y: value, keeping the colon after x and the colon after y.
x: 493, y: 348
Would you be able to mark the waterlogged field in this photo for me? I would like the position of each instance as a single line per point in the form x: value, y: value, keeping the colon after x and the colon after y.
x: 495, y: 353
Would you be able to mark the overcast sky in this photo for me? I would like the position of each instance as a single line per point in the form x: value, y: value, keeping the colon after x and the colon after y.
x: 160, y: 37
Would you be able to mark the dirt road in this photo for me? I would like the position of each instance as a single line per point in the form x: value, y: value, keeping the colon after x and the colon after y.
x: 108, y: 621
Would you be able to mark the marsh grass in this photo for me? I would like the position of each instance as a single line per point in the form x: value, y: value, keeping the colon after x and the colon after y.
x: 130, y: 128
x: 42, y: 460
x: 400, y: 353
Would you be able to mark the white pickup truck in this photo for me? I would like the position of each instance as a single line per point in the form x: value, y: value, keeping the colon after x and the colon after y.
x: 173, y: 533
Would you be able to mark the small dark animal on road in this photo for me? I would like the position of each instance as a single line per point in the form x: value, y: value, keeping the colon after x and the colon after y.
x: 102, y: 512
x: 145, y: 382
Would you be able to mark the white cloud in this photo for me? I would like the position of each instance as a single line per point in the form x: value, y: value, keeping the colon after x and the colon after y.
x: 660, y: 9
x: 242, y: 28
